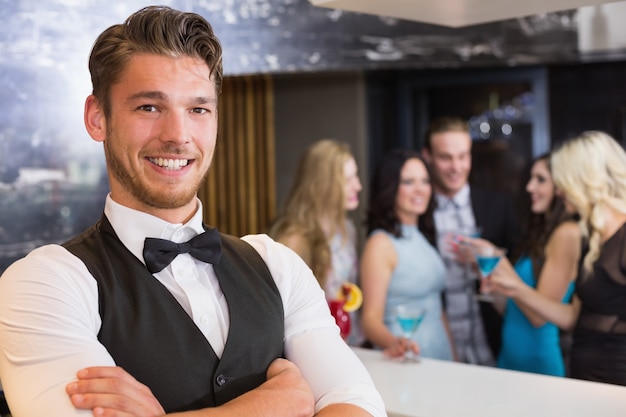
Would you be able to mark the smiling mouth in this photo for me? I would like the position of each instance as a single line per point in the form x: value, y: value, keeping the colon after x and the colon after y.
x: 171, y: 164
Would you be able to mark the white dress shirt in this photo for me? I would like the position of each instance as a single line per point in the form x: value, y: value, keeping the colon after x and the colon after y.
x: 49, y: 319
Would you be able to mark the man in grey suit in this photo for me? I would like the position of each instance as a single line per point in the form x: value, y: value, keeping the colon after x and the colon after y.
x: 475, y: 326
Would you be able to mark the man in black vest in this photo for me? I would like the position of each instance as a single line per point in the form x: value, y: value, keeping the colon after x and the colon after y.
x: 475, y: 326
x: 150, y: 312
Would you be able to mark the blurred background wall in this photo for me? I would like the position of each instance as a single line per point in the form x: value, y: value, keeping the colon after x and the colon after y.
x: 372, y: 81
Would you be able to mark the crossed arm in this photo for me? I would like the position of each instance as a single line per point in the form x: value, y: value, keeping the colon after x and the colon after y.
x: 112, y: 392
x: 48, y: 326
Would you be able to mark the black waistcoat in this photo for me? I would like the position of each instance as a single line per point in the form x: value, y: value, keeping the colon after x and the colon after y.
x: 150, y: 335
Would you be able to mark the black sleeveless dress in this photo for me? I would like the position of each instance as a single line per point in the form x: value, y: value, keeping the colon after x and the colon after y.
x: 599, y: 340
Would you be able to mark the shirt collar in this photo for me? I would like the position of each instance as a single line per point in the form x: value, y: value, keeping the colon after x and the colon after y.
x: 133, y: 226
x: 460, y: 199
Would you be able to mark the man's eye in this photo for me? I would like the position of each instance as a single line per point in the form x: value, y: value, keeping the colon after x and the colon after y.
x: 147, y: 108
x: 200, y: 110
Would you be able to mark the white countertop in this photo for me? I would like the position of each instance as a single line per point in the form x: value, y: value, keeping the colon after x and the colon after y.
x: 435, y: 388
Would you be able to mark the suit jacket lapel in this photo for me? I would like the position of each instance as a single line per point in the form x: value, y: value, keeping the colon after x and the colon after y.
x: 477, y: 206
x: 480, y: 209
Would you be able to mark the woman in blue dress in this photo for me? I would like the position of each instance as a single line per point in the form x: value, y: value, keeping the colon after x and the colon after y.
x: 400, y: 264
x: 548, y: 262
x: 590, y: 171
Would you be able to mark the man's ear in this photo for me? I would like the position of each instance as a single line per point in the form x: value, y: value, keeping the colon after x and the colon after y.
x: 95, y: 122
x: 426, y: 155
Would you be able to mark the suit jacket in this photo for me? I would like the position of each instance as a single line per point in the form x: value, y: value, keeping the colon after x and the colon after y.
x: 495, y: 215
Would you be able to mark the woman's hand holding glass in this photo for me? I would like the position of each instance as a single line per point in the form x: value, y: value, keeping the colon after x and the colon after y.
x: 504, y: 280
x: 455, y: 245
x: 464, y: 253
x: 401, y: 347
x: 485, y: 258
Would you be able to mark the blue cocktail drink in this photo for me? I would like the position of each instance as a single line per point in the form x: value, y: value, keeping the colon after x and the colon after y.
x: 409, y: 324
x: 409, y: 317
x: 487, y: 258
x: 486, y: 264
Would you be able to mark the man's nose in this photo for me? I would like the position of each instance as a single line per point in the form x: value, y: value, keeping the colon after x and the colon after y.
x: 174, y: 127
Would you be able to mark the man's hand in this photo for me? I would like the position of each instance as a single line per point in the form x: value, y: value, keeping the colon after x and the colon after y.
x: 111, y: 391
x: 293, y: 391
x: 285, y: 393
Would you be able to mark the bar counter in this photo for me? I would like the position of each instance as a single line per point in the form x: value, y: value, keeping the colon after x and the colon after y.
x: 433, y: 388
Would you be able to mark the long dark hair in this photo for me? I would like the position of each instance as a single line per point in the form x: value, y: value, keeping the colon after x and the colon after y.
x: 540, y: 226
x: 382, y: 199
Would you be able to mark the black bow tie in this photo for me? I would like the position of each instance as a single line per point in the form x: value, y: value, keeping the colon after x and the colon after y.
x: 159, y: 253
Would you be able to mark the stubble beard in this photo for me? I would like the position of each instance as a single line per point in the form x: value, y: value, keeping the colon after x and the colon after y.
x: 161, y: 197
x: 447, y: 187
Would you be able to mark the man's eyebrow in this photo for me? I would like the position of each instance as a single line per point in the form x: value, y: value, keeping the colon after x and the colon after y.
x: 147, y: 94
x: 204, y: 100
x: 158, y: 95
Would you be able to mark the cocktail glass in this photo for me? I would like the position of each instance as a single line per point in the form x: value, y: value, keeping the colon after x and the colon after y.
x: 409, y: 317
x: 487, y: 258
x: 342, y: 317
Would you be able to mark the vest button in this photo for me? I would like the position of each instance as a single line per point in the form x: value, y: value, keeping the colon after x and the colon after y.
x: 221, y: 380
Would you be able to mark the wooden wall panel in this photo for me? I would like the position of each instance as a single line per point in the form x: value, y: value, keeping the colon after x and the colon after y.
x: 239, y: 194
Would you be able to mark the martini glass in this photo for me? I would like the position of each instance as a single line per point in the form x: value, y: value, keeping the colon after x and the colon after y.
x: 487, y: 258
x: 409, y: 317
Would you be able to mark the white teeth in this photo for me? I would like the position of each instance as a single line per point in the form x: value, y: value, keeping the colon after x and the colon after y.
x: 173, y: 164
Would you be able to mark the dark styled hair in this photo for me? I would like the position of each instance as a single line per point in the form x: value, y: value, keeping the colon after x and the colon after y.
x: 442, y: 125
x: 382, y: 197
x: 540, y: 226
x: 154, y: 30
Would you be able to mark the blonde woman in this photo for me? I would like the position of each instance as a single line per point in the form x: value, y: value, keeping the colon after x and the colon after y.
x: 314, y: 221
x: 590, y: 171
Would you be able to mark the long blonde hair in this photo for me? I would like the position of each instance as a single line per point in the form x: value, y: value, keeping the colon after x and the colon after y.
x: 591, y: 170
x: 317, y: 194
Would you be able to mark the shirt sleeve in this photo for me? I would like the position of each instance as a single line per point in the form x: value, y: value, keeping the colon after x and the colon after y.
x: 49, y: 322
x: 48, y: 330
x: 312, y: 340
